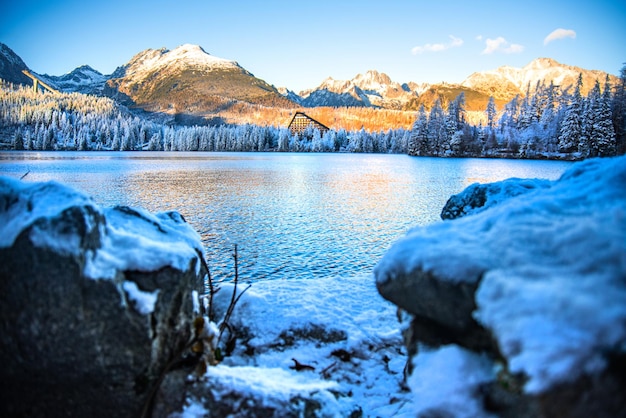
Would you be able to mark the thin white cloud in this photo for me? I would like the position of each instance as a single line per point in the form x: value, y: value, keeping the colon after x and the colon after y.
x: 501, y: 45
x: 454, y: 42
x: 559, y: 34
x: 479, y: 37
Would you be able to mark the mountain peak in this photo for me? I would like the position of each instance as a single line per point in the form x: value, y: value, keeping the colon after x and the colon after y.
x: 194, y: 54
x: 542, y: 63
x: 185, y: 56
x: 372, y: 79
x: 370, y: 89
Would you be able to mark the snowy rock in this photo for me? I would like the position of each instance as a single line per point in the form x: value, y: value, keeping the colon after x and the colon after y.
x: 541, y: 271
x: 94, y: 302
x: 479, y: 197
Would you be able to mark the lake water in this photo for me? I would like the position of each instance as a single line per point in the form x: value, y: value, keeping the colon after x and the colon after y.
x: 292, y: 215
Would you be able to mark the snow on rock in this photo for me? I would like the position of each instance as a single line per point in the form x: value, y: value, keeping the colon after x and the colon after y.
x: 144, y: 301
x: 447, y: 380
x: 548, y: 266
x: 479, y: 197
x: 22, y: 204
x: 122, y: 238
x: 138, y: 240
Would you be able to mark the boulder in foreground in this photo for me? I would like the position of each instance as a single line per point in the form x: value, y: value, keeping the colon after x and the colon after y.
x: 533, y: 284
x: 95, y: 303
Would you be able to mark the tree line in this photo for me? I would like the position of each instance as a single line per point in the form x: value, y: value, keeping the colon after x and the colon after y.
x: 548, y: 122
x: 78, y: 122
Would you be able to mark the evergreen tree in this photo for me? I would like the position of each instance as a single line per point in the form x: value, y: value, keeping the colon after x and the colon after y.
x: 508, y: 120
x: 571, y: 127
x: 603, y: 143
x: 436, y: 129
x: 418, y: 141
x: 283, y: 140
x: 589, y: 114
x: 18, y: 140
x: 619, y: 113
x: 491, y: 113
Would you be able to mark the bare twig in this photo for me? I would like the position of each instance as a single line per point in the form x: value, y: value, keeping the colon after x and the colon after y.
x: 25, y: 174
x: 212, y: 290
x: 324, y: 373
x: 234, y: 299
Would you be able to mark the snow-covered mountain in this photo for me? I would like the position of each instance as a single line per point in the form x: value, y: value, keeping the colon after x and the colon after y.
x: 505, y: 82
x: 83, y: 79
x: 187, y: 79
x: 183, y: 58
x: 369, y: 89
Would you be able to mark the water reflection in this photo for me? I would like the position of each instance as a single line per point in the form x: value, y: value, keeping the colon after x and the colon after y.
x: 292, y: 215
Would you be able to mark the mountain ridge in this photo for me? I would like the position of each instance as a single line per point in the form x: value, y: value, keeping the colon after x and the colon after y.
x: 189, y: 81
x: 83, y: 79
x: 503, y: 83
x: 518, y: 80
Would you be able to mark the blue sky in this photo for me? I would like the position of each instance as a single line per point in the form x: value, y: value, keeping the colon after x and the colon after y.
x: 297, y: 44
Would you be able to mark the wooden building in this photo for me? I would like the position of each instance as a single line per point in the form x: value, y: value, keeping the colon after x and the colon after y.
x: 300, y: 122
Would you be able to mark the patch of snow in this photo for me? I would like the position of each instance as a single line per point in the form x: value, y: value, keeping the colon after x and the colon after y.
x: 340, y: 326
x: 446, y: 382
x: 143, y: 301
x: 25, y: 203
x: 551, y: 265
x: 192, y: 409
x: 138, y: 240
x: 195, y: 300
x: 279, y: 382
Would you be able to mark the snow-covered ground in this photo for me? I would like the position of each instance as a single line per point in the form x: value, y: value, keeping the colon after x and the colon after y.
x: 339, y: 326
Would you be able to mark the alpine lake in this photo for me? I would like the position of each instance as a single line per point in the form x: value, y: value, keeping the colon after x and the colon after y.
x: 291, y: 215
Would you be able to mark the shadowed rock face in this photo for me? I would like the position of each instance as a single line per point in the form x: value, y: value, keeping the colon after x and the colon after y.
x: 74, y: 346
x: 442, y: 311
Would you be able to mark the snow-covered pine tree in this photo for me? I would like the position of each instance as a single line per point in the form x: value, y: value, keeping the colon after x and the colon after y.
x: 418, y: 141
x: 619, y: 113
x: 603, y: 143
x: 491, y: 112
x: 589, y: 114
x: 18, y: 140
x: 571, y: 127
x: 436, y: 129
